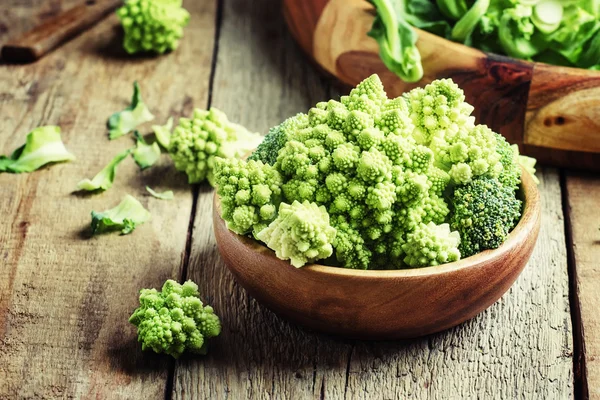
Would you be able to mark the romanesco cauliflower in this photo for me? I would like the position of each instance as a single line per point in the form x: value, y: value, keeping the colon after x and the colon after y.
x: 300, y: 233
x: 382, y: 169
x: 152, y: 25
x: 174, y: 320
x: 197, y: 141
x: 431, y: 244
x: 250, y: 193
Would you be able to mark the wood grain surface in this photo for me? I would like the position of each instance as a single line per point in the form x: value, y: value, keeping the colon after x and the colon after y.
x: 583, y: 194
x: 551, y: 112
x: 65, y: 298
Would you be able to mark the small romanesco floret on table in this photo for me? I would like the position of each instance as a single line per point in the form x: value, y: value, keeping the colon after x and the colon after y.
x: 383, y: 169
x: 174, y: 320
x: 197, y: 141
x: 300, y: 233
x: 250, y: 194
x: 431, y: 244
x: 152, y: 25
x: 484, y: 213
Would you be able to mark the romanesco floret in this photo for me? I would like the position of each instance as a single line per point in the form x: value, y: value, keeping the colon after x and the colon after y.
x: 301, y: 233
x: 438, y: 109
x: 152, y: 25
x: 383, y: 169
x: 174, y: 320
x: 250, y: 194
x: 431, y: 244
x: 484, y: 212
x: 197, y: 141
x: 467, y: 153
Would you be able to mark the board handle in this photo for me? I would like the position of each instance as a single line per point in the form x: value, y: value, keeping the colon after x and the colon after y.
x: 40, y: 40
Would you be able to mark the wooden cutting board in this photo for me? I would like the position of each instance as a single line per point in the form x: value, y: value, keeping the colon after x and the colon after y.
x: 552, y: 113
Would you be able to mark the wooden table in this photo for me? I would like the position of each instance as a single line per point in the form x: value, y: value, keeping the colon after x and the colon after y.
x: 65, y: 298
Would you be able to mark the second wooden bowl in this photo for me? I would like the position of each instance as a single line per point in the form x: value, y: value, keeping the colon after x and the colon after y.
x: 552, y: 113
x: 381, y: 304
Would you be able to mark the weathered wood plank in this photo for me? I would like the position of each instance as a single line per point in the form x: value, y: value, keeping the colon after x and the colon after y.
x: 521, y: 347
x: 18, y: 16
x: 583, y: 201
x: 64, y: 297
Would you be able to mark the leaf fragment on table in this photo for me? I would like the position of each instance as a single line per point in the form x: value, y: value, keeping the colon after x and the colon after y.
x: 166, y: 195
x: 105, y: 178
x: 43, y: 145
x: 144, y: 154
x: 121, y: 123
x: 163, y: 133
x: 124, y: 217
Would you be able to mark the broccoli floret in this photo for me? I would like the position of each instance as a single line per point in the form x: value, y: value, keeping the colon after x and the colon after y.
x: 250, y: 194
x: 152, y: 25
x: 300, y: 233
x: 196, y: 142
x: 174, y: 320
x: 484, y: 212
x: 267, y: 150
x: 431, y: 244
x: 509, y: 154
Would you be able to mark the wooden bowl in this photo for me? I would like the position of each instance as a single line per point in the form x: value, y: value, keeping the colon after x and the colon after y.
x: 552, y: 113
x: 381, y: 304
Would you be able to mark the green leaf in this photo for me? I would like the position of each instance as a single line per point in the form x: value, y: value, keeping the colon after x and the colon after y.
x: 145, y: 155
x: 105, y: 178
x: 43, y: 146
x: 121, y: 123
x: 167, y: 195
x: 163, y: 133
x: 397, y: 40
x: 124, y: 217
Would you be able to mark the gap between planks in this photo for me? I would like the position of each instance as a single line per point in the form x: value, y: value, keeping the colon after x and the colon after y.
x: 196, y: 190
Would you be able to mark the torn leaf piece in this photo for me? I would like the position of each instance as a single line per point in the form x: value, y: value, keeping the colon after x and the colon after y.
x: 43, y: 146
x: 124, y: 217
x: 163, y: 133
x: 166, y: 195
x: 121, y: 123
x: 144, y: 154
x: 105, y: 178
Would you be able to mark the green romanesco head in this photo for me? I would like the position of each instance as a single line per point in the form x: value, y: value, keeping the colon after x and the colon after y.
x: 174, y: 320
x: 484, y: 212
x: 301, y: 233
x: 467, y: 153
x: 438, y: 109
x: 197, y: 141
x: 250, y: 193
x: 431, y: 244
x: 152, y: 25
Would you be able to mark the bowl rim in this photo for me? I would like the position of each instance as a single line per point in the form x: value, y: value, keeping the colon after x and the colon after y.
x: 525, y: 225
